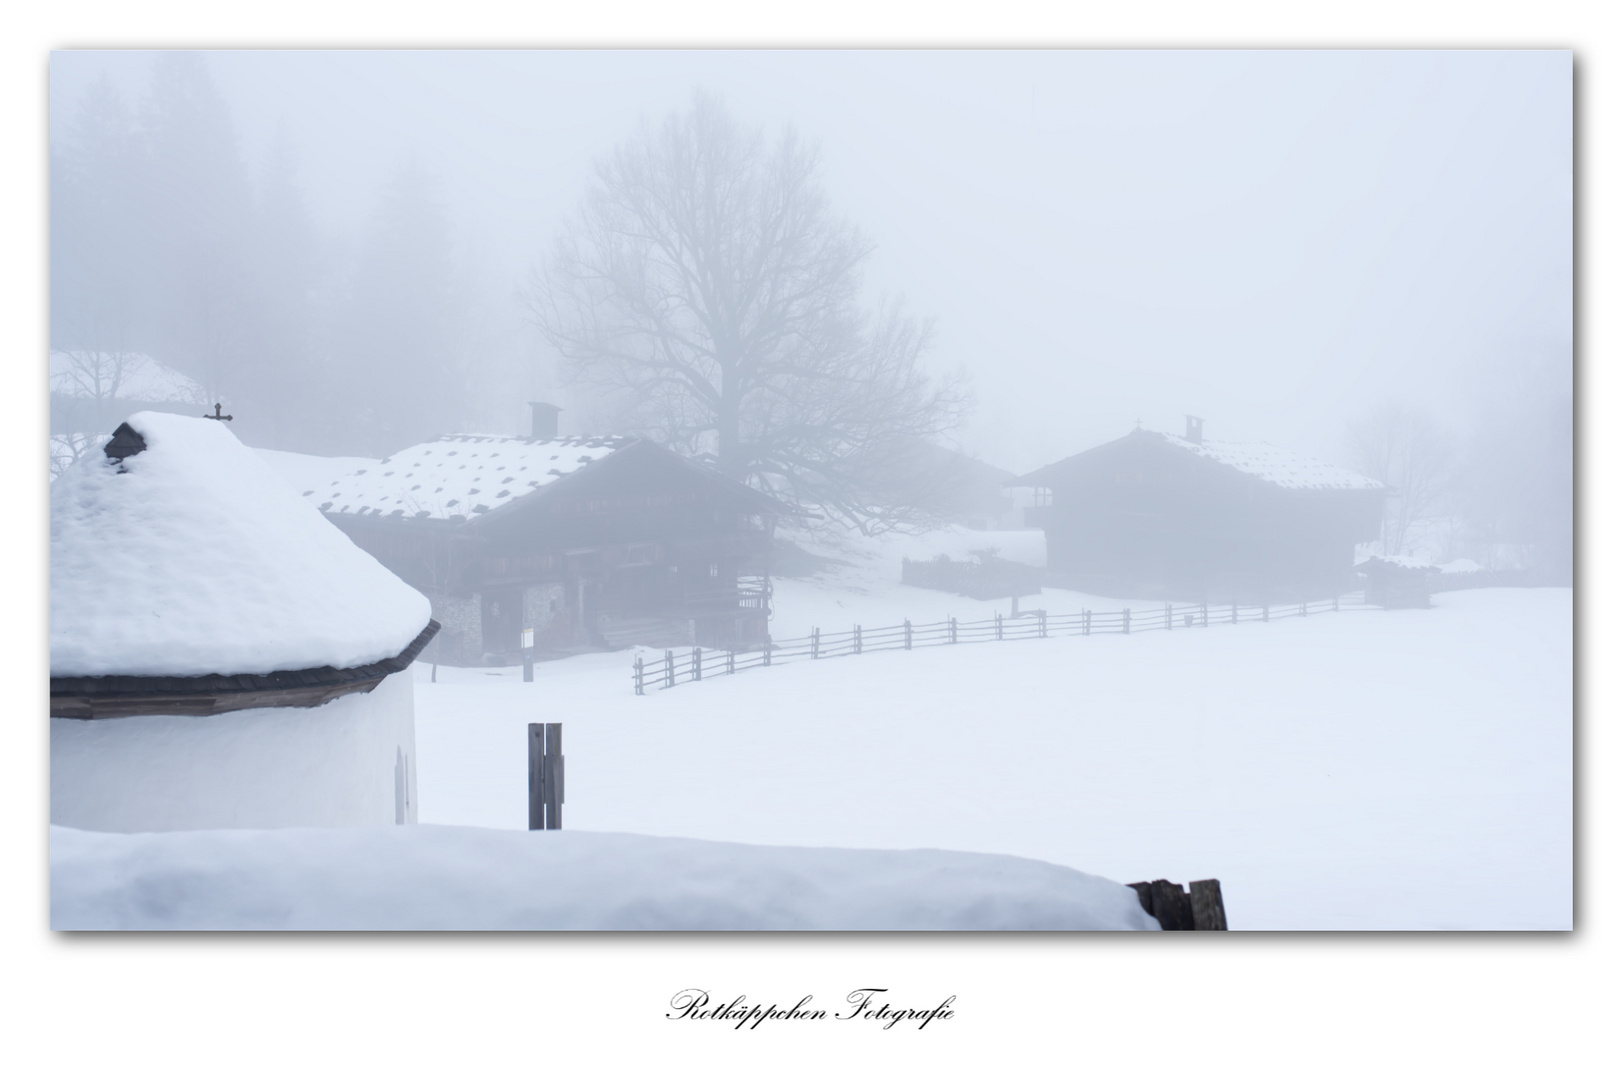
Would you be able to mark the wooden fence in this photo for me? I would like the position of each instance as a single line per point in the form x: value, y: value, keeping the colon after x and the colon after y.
x: 695, y: 665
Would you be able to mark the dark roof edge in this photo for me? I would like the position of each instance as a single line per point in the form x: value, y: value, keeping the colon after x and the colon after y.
x: 103, y: 697
x: 1041, y: 476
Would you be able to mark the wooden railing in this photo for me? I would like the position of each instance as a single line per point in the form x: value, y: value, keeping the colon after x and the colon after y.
x: 694, y: 665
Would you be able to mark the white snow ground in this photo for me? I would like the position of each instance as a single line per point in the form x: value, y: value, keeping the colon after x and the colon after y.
x: 1361, y: 770
x: 439, y: 878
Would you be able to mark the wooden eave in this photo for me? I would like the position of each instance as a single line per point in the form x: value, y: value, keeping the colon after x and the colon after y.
x: 105, y: 697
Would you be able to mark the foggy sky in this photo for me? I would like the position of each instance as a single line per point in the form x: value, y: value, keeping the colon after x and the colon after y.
x: 1270, y: 240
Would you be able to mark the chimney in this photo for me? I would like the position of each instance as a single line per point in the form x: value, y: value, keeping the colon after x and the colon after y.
x: 543, y: 418
x: 1195, y: 429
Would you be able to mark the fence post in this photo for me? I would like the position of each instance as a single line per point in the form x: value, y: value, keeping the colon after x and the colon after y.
x: 1302, y: 611
x: 1203, y: 612
x: 697, y: 665
x: 767, y: 650
x: 998, y: 626
x: 857, y: 639
x: 815, y: 643
x: 1335, y: 603
x: 908, y: 633
x: 731, y: 661
x: 1169, y: 617
x: 545, y: 776
x: 1127, y: 620
x: 1085, y: 623
x: 1042, y: 618
x: 639, y: 685
x: 953, y: 629
x: 1208, y: 910
x: 669, y: 667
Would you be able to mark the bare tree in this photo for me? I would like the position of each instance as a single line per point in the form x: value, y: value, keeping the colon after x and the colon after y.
x: 1405, y: 449
x: 707, y: 286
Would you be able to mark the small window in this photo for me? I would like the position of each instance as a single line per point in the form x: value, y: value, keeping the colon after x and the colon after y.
x: 714, y: 569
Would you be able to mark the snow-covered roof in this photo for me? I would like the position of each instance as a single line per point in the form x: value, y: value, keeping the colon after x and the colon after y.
x: 1275, y: 465
x: 460, y: 476
x: 193, y: 557
x: 307, y: 471
x: 1405, y: 562
x: 123, y: 375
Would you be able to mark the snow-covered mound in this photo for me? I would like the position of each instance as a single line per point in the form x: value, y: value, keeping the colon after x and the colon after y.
x: 443, y: 877
x: 195, y: 558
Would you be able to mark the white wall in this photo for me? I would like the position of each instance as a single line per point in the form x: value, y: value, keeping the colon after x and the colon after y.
x: 253, y: 769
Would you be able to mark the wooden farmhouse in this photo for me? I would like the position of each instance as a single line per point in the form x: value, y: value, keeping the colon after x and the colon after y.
x: 590, y: 542
x: 1164, y: 517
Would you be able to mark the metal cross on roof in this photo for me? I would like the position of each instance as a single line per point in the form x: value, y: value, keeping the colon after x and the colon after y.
x: 216, y: 415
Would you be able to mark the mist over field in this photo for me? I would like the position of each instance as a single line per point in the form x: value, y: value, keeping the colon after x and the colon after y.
x: 336, y: 242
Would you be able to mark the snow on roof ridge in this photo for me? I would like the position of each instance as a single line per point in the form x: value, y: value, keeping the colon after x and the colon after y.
x: 1274, y: 464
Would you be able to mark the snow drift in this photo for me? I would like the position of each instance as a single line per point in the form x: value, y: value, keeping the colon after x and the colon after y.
x: 449, y: 878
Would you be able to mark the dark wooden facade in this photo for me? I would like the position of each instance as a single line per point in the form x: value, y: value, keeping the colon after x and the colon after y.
x: 642, y: 547
x: 1150, y: 516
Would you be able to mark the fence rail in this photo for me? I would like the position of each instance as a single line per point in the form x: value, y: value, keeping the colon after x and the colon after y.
x: 693, y: 665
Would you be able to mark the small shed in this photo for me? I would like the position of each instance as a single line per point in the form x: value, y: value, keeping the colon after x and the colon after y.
x: 1398, y: 581
x: 221, y: 655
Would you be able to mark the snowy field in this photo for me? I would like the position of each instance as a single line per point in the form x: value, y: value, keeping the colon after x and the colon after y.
x: 1367, y: 769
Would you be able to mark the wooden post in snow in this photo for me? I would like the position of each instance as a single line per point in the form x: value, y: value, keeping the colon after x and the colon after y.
x: 545, y: 776
x: 1176, y: 910
x: 908, y: 633
x: 1209, y: 911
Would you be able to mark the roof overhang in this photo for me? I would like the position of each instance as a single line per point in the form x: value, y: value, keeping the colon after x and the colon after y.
x: 107, y: 697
